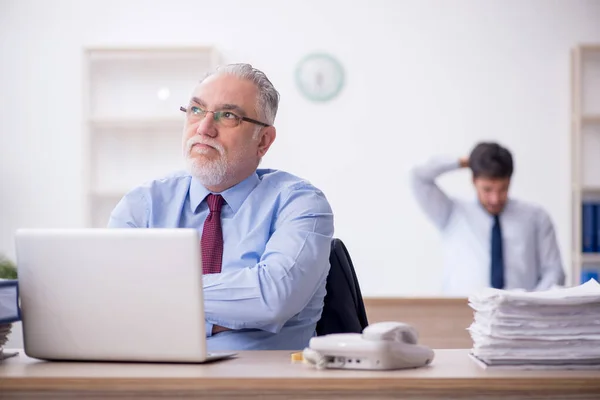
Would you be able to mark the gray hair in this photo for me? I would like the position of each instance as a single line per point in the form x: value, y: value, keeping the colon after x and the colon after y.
x: 268, y: 97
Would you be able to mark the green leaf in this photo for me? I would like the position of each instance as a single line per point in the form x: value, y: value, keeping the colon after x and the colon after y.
x: 8, y: 270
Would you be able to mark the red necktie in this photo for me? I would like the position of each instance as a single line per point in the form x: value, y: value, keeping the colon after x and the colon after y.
x: 212, y: 237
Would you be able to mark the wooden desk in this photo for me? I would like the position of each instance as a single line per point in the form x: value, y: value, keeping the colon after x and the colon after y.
x: 270, y: 374
x: 441, y: 322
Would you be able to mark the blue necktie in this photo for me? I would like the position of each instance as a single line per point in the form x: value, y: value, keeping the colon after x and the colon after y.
x: 497, y: 258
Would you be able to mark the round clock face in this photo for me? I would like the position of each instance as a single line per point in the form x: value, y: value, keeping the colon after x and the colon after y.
x: 320, y: 77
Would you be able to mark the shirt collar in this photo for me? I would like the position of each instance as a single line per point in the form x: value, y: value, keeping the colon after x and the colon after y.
x: 507, y: 206
x: 234, y: 196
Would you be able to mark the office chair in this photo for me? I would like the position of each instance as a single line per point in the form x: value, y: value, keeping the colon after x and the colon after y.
x: 343, y: 309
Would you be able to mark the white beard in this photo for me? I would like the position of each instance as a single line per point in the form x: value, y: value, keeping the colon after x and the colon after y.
x: 211, y: 172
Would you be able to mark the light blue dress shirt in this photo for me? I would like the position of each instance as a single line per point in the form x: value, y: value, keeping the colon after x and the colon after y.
x: 277, y: 232
x: 532, y: 260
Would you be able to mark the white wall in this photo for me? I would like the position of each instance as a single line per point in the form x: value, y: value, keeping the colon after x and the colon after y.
x: 423, y: 77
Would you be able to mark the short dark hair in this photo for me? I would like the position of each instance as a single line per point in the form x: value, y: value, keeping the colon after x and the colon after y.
x: 490, y: 160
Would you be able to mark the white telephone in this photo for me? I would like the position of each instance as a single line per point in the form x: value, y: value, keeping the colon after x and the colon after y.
x: 383, y: 345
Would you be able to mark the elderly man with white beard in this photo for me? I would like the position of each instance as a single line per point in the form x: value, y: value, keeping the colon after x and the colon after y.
x: 265, y: 234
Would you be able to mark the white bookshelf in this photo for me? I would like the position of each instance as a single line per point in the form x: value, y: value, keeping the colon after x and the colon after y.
x: 132, y: 120
x: 585, y: 150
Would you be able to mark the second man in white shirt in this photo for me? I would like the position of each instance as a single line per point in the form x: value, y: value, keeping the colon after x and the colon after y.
x: 493, y: 240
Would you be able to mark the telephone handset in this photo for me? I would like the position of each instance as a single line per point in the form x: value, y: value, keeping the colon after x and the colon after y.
x: 381, y: 346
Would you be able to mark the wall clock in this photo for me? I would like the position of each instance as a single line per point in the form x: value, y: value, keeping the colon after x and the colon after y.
x: 319, y: 77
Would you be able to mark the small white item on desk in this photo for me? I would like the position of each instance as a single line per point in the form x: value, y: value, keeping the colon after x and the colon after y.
x: 381, y: 346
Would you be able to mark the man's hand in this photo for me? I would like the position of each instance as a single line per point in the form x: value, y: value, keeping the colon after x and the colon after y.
x: 464, y: 162
x: 218, y: 328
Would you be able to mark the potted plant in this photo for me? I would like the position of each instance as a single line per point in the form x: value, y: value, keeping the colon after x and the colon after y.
x: 8, y: 270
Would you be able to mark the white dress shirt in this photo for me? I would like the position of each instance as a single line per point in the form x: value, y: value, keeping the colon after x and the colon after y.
x: 532, y: 259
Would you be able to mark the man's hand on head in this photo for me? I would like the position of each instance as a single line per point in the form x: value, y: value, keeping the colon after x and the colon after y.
x: 464, y: 162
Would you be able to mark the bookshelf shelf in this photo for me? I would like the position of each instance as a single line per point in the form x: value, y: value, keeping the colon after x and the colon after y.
x: 590, y: 189
x: 585, y: 162
x: 113, y: 194
x: 590, y: 258
x: 135, y: 123
x: 590, y: 119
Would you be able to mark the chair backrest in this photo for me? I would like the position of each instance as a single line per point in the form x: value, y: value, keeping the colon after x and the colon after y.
x: 343, y: 309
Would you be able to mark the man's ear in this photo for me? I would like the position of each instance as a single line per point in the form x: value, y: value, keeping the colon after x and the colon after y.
x: 267, y: 137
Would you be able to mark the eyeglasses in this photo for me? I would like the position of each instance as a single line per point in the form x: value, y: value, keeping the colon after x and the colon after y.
x: 224, y: 118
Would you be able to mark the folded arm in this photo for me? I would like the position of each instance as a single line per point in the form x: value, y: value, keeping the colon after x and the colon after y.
x: 293, y: 266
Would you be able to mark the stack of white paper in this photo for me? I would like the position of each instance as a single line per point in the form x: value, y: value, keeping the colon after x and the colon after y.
x: 558, y: 328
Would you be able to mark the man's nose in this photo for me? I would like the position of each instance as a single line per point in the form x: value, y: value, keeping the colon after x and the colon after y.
x: 494, y: 198
x: 207, y: 126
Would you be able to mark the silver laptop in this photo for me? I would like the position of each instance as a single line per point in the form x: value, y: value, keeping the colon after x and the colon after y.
x: 112, y: 295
